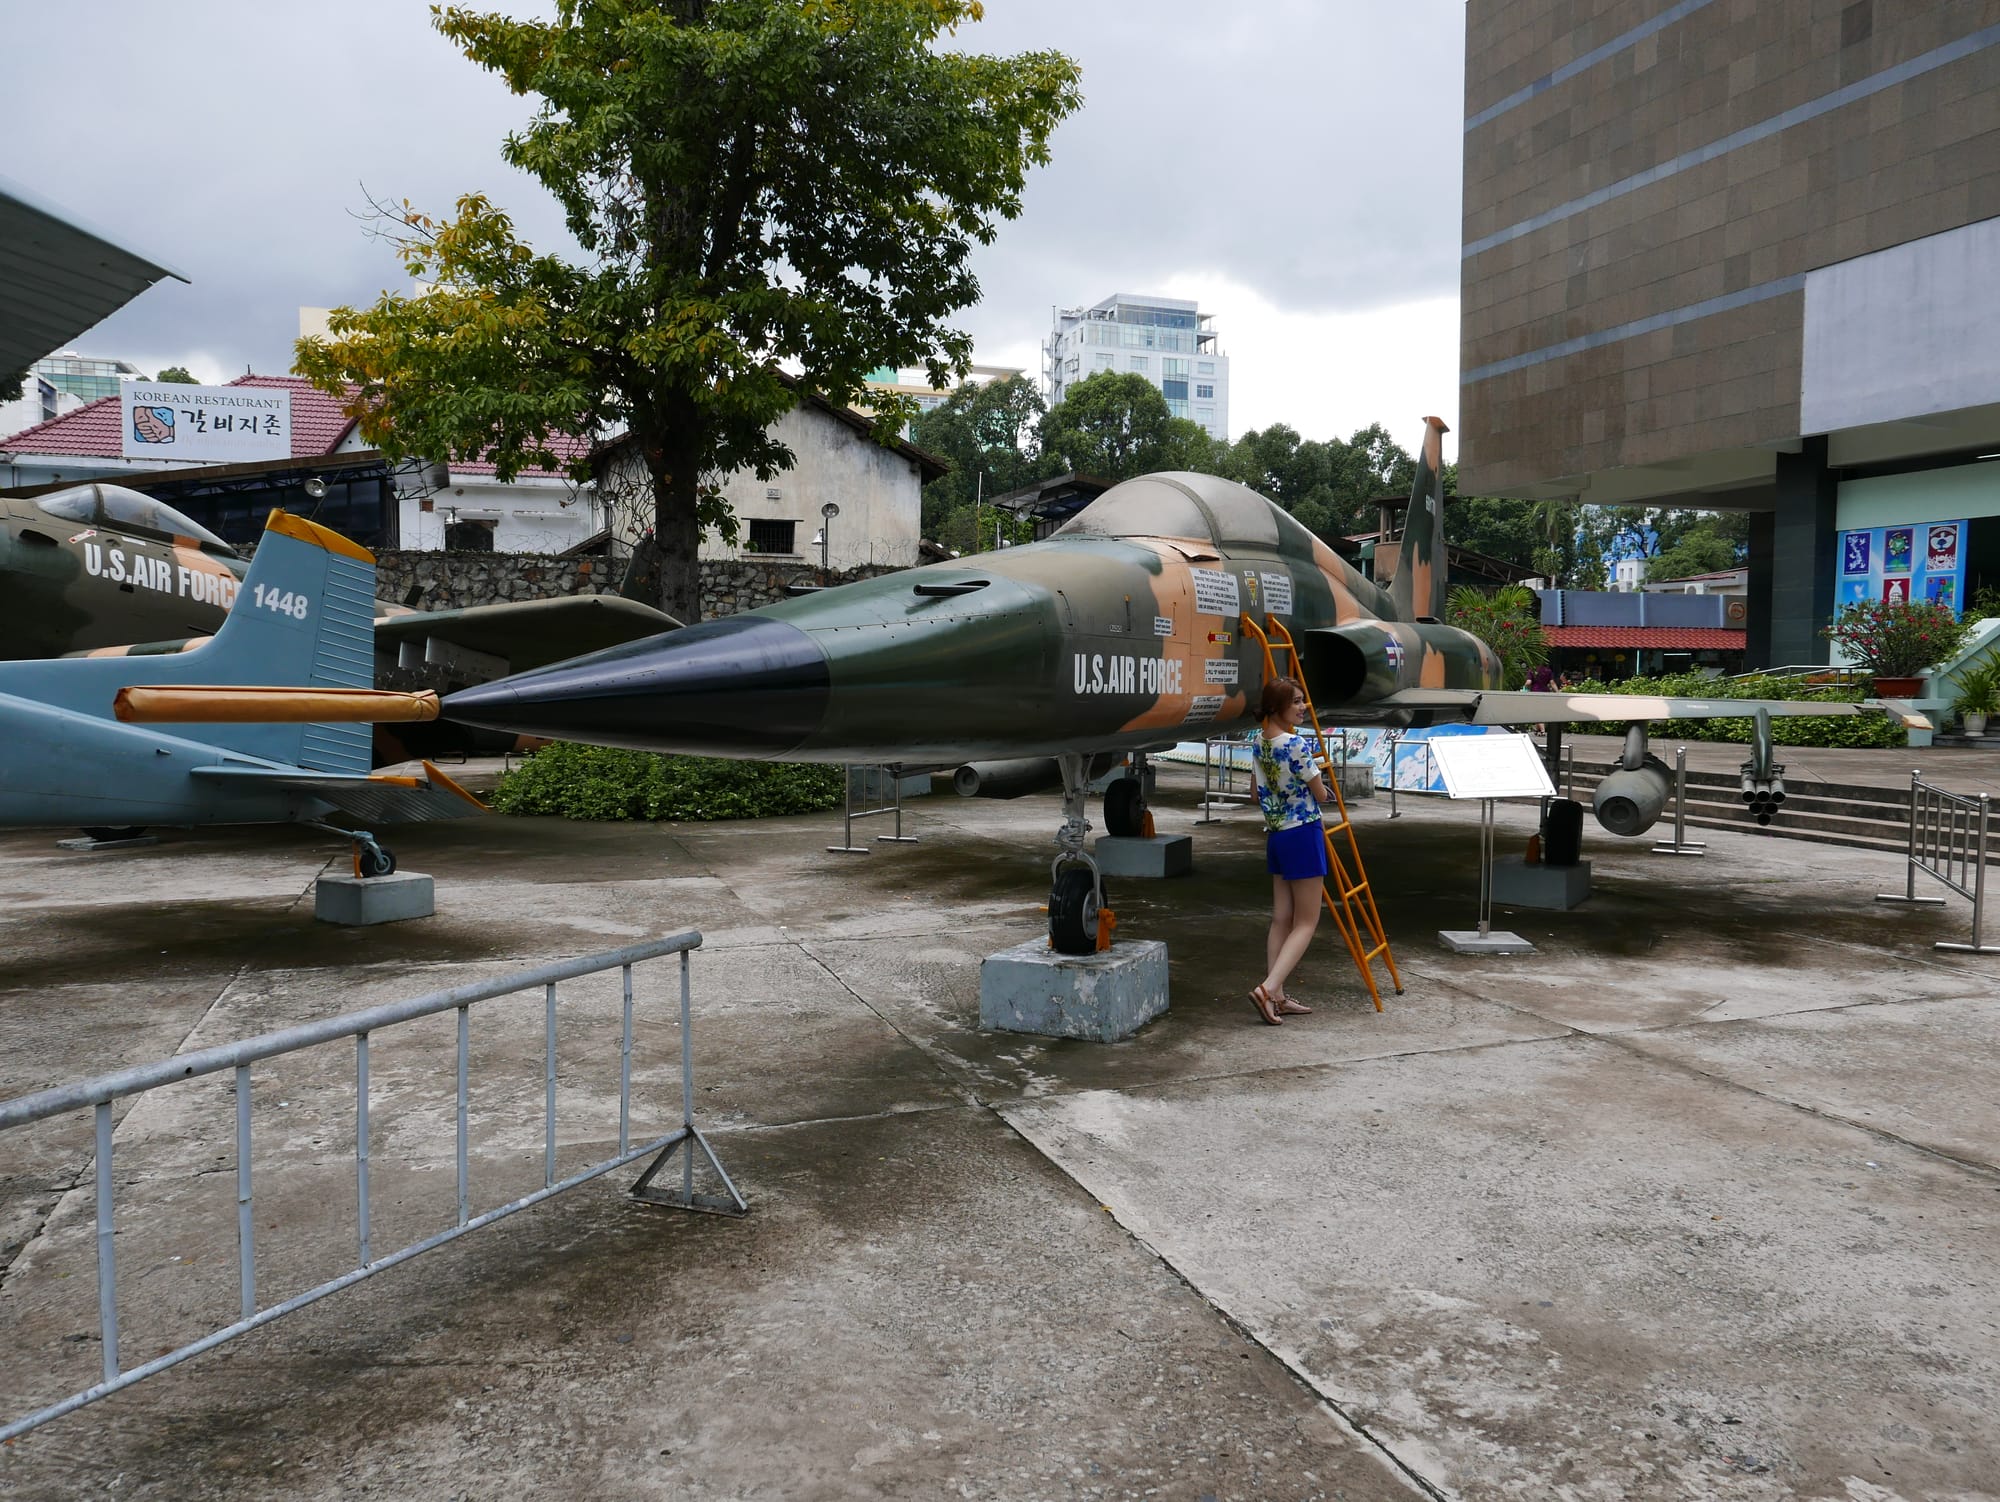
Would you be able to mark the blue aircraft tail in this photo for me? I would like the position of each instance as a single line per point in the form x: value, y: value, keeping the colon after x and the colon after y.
x: 304, y: 616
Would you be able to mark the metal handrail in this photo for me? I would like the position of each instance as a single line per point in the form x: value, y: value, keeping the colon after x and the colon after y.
x: 1948, y: 843
x: 855, y: 772
x: 99, y: 1093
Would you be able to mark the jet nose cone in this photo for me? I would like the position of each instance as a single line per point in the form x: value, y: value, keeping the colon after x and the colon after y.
x: 741, y: 686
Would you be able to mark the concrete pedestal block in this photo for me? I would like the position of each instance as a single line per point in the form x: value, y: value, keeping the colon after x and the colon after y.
x: 1162, y: 855
x: 1103, y: 997
x: 1357, y: 780
x: 359, y: 901
x: 1554, y: 889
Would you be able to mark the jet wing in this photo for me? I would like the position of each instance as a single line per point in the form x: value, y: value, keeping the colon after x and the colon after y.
x: 377, y: 797
x: 524, y: 634
x: 1468, y: 706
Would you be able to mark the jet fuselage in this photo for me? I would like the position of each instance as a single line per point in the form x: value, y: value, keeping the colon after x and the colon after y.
x: 1103, y: 636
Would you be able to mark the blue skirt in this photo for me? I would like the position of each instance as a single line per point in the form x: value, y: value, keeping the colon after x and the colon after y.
x: 1298, y: 853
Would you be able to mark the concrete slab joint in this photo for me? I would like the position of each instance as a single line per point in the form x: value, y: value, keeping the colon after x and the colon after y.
x: 1103, y: 997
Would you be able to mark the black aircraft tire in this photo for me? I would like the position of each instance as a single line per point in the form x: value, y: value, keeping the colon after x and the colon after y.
x: 1125, y: 808
x: 374, y: 860
x: 1073, y: 912
x: 123, y: 832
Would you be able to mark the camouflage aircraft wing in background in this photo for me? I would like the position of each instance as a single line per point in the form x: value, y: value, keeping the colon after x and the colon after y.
x: 517, y: 636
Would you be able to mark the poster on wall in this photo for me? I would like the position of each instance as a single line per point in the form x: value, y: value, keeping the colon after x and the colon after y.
x: 1902, y: 565
x: 1898, y: 546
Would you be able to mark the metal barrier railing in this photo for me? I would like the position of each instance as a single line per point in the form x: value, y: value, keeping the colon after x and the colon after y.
x: 100, y: 1093
x: 881, y: 792
x: 1948, y: 843
x: 1219, y: 773
x: 1396, y: 745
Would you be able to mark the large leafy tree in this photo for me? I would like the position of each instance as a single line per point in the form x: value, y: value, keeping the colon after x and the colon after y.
x: 987, y: 434
x: 1117, y: 425
x: 757, y: 187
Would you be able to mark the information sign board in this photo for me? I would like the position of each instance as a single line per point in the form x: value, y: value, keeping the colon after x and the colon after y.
x: 1491, y: 766
x: 167, y: 421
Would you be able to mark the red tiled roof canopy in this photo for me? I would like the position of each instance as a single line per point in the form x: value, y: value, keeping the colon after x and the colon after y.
x: 562, y: 445
x: 1671, y: 638
x: 96, y: 431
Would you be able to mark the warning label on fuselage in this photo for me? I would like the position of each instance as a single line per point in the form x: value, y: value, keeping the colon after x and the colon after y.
x: 1218, y: 670
x: 1215, y: 592
x: 1277, y: 593
x: 1203, y: 708
x: 1116, y: 673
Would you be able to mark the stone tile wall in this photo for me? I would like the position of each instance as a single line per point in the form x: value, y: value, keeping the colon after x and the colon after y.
x: 450, y: 581
x: 1917, y: 158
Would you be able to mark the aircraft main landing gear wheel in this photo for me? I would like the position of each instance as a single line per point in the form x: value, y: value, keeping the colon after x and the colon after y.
x: 1125, y: 808
x: 371, y: 859
x: 101, y: 833
x: 1073, y: 904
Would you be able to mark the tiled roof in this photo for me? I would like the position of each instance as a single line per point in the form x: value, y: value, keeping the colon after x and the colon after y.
x: 1672, y: 638
x: 562, y: 445
x: 96, y: 431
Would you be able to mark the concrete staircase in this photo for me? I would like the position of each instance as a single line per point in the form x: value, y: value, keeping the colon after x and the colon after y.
x: 1869, y: 818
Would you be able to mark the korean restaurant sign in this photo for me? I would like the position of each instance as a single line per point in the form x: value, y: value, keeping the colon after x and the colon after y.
x: 213, y: 424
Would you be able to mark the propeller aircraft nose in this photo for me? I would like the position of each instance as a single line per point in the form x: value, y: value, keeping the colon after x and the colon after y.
x: 743, y: 685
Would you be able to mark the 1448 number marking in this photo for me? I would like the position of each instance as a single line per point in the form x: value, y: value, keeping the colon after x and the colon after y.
x: 285, y: 602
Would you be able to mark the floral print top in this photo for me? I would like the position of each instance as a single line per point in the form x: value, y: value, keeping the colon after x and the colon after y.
x: 1284, y: 772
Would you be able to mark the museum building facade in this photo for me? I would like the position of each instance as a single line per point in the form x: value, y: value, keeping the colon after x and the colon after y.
x: 1742, y: 254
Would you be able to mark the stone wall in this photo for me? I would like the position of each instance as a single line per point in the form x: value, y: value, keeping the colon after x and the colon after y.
x: 452, y: 581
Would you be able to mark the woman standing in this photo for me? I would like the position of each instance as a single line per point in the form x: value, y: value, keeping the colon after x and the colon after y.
x: 1290, y: 792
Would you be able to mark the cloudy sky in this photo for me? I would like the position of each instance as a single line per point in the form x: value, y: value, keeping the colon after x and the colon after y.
x: 1291, y: 164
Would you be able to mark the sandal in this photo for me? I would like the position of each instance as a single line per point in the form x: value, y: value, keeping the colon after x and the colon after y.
x: 1289, y: 1008
x: 1266, y: 1008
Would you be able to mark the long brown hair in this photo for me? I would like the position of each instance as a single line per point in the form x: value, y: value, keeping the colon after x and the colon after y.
x: 1277, y: 696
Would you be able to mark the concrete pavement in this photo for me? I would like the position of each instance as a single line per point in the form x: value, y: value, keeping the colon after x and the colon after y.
x: 1694, y: 1202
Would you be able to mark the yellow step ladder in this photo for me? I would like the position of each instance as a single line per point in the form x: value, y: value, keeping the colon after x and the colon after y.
x: 1351, y: 900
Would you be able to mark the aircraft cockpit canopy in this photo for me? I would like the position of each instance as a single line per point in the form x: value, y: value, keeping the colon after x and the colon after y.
x: 1181, y: 504
x: 114, y: 506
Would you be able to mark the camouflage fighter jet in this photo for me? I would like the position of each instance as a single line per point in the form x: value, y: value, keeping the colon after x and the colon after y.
x: 1124, y: 632
x: 303, y: 612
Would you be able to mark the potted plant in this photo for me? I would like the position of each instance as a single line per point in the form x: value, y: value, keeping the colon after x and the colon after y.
x: 1895, y: 642
x: 1978, y: 695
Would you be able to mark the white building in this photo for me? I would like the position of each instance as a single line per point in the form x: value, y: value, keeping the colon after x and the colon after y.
x: 1165, y: 339
x: 876, y: 491
x: 40, y: 401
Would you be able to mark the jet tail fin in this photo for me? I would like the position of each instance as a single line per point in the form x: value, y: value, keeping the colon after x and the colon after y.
x: 304, y: 615
x: 1418, y: 590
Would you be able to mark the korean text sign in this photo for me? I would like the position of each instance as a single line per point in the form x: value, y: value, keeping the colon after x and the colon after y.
x: 213, y: 424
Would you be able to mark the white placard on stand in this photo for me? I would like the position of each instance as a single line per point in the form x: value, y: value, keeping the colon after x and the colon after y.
x: 1487, y: 767
x: 1491, y: 766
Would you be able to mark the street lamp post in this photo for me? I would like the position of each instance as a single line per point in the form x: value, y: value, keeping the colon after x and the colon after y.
x: 827, y: 513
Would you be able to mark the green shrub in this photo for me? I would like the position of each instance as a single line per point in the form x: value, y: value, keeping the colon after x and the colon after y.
x: 598, y: 782
x: 1843, y: 730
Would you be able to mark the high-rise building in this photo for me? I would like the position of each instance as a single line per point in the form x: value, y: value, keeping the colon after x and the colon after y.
x: 86, y: 376
x: 1740, y: 256
x: 1165, y: 339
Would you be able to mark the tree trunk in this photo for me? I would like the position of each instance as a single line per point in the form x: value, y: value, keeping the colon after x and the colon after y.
x: 673, y: 463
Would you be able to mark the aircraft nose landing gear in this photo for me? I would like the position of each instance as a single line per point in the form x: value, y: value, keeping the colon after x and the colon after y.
x: 372, y: 859
x: 1080, y: 918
